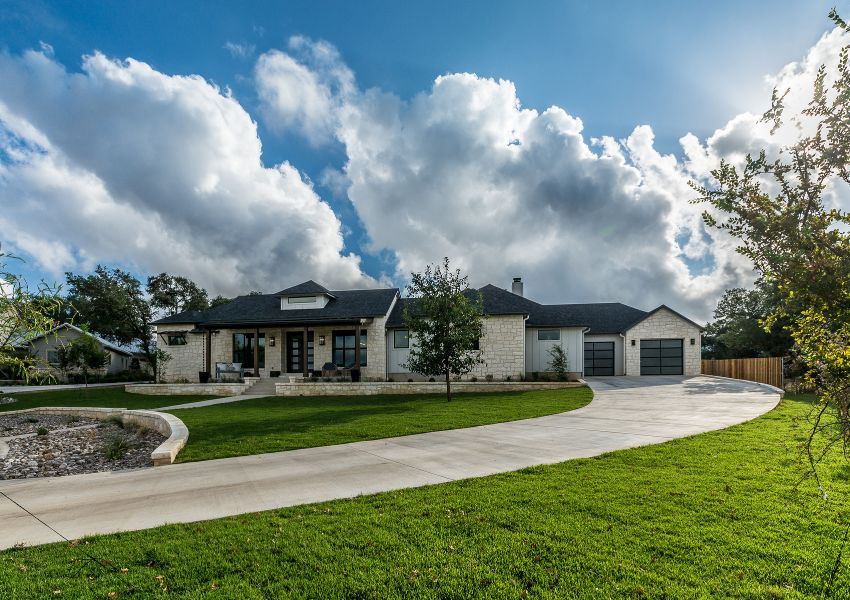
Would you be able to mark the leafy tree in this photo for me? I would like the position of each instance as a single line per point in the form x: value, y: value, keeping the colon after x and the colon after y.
x: 84, y: 354
x: 795, y: 241
x: 174, y: 294
x: 219, y: 300
x: 162, y: 360
x: 739, y: 330
x: 446, y: 323
x: 112, y: 304
x: 559, y: 362
x: 24, y: 313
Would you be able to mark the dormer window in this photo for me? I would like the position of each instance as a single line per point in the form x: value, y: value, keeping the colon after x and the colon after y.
x: 307, y: 295
x: 301, y: 300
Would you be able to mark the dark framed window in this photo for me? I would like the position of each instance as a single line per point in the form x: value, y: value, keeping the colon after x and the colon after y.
x: 177, y: 339
x: 243, y: 349
x: 344, y: 348
x: 301, y: 299
x: 401, y: 338
x: 53, y: 357
x: 548, y: 334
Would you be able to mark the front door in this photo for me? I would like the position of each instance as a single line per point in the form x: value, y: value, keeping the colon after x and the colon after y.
x: 295, y: 351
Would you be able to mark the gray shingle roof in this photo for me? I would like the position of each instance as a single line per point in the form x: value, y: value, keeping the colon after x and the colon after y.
x: 307, y: 288
x: 601, y: 317
x: 264, y: 309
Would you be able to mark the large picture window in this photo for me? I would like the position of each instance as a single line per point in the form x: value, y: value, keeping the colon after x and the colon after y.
x: 548, y: 334
x: 344, y: 349
x: 243, y: 349
x: 177, y: 339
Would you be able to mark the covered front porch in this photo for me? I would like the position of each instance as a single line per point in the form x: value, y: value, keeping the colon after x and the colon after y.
x: 268, y: 351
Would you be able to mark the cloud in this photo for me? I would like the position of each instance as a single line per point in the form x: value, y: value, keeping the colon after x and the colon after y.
x: 122, y: 163
x: 303, y: 91
x: 243, y: 50
x: 464, y: 170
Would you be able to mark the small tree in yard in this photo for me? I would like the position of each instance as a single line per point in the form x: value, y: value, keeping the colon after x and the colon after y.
x: 560, y: 362
x: 445, y: 322
x: 161, y: 364
x: 83, y: 354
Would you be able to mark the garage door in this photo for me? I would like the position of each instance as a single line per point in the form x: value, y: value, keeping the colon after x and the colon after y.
x: 661, y: 357
x: 598, y: 358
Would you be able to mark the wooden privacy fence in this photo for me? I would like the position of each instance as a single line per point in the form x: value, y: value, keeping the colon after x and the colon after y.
x: 764, y: 370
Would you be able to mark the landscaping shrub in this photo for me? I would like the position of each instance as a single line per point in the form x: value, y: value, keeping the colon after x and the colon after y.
x: 41, y: 431
x: 117, y: 447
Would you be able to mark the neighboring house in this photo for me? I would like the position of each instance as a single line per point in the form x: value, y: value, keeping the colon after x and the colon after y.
x: 46, y: 348
x: 300, y: 329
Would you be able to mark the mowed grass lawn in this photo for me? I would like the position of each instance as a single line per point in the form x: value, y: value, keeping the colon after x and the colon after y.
x: 102, y: 397
x: 288, y: 423
x: 724, y: 514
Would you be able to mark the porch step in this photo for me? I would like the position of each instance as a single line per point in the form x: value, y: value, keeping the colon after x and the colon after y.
x: 264, y: 387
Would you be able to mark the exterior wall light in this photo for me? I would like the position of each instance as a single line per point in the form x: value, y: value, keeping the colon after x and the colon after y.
x: 321, y: 340
x: 633, y: 342
x: 271, y: 341
x: 693, y: 342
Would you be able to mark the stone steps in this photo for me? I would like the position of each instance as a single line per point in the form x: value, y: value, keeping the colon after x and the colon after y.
x: 265, y: 387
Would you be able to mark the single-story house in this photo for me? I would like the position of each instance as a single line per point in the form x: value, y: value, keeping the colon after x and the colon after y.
x: 301, y: 329
x: 45, y: 348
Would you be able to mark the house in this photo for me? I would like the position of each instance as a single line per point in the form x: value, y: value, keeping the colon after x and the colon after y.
x: 45, y: 348
x: 302, y: 328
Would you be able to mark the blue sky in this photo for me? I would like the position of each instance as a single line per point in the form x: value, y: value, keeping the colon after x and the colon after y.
x: 678, y: 67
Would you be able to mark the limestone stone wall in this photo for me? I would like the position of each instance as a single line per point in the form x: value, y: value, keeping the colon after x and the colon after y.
x: 398, y: 387
x: 502, y: 348
x: 187, y: 389
x: 376, y: 343
x: 664, y: 324
x: 186, y: 361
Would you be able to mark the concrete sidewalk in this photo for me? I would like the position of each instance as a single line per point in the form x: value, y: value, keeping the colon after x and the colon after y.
x: 626, y: 412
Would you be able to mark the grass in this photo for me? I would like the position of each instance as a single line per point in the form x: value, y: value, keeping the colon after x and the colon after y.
x: 100, y: 397
x: 724, y: 514
x: 275, y: 424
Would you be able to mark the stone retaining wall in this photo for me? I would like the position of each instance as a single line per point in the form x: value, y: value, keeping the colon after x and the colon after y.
x: 168, y: 425
x: 187, y: 389
x: 416, y: 387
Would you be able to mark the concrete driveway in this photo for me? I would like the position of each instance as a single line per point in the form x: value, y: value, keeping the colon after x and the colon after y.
x: 625, y: 412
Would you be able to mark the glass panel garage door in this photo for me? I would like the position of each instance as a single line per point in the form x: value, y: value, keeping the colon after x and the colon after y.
x: 661, y: 357
x: 598, y: 358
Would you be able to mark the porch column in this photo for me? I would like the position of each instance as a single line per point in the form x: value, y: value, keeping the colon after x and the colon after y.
x: 357, y: 346
x: 257, y: 352
x: 304, y: 365
x: 209, y: 352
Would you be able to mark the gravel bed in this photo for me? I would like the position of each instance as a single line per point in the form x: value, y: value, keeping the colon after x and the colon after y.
x: 12, y: 425
x: 74, y: 451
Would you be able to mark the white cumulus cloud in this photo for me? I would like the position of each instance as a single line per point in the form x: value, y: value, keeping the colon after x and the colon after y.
x: 122, y: 163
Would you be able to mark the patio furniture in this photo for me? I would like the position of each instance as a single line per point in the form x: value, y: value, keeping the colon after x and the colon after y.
x: 228, y: 371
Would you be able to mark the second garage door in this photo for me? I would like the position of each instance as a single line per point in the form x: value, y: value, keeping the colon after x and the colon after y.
x: 661, y: 357
x: 598, y: 358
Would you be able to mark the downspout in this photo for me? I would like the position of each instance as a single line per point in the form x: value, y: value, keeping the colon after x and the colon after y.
x: 581, y: 349
x: 524, y: 351
x: 623, y: 335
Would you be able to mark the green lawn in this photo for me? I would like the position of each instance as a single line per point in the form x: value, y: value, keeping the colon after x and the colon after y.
x: 719, y: 515
x: 104, y: 397
x: 274, y: 424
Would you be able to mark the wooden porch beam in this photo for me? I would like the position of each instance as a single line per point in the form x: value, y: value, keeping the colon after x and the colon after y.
x: 208, y: 361
x: 257, y: 352
x: 357, y: 346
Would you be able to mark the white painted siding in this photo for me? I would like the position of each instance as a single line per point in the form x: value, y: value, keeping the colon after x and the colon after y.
x: 396, y: 356
x: 537, y: 351
x: 619, y: 358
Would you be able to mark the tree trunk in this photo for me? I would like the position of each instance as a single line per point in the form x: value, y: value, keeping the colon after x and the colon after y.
x: 448, y: 386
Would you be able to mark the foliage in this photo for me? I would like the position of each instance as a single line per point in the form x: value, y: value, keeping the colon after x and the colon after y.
x: 112, y: 304
x: 446, y: 323
x: 117, y: 446
x: 268, y: 425
x: 796, y: 242
x: 739, y: 328
x: 219, y: 301
x: 173, y: 294
x: 24, y: 313
x: 559, y: 361
x: 83, y: 354
x: 161, y: 362
x: 718, y: 515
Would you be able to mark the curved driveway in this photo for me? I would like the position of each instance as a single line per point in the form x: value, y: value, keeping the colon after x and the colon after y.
x: 625, y: 412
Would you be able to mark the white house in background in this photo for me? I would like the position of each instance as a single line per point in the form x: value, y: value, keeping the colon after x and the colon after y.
x: 46, y: 348
x: 302, y: 329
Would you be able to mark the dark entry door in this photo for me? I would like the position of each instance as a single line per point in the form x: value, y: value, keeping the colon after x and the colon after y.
x: 661, y: 357
x: 598, y: 358
x: 295, y: 352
